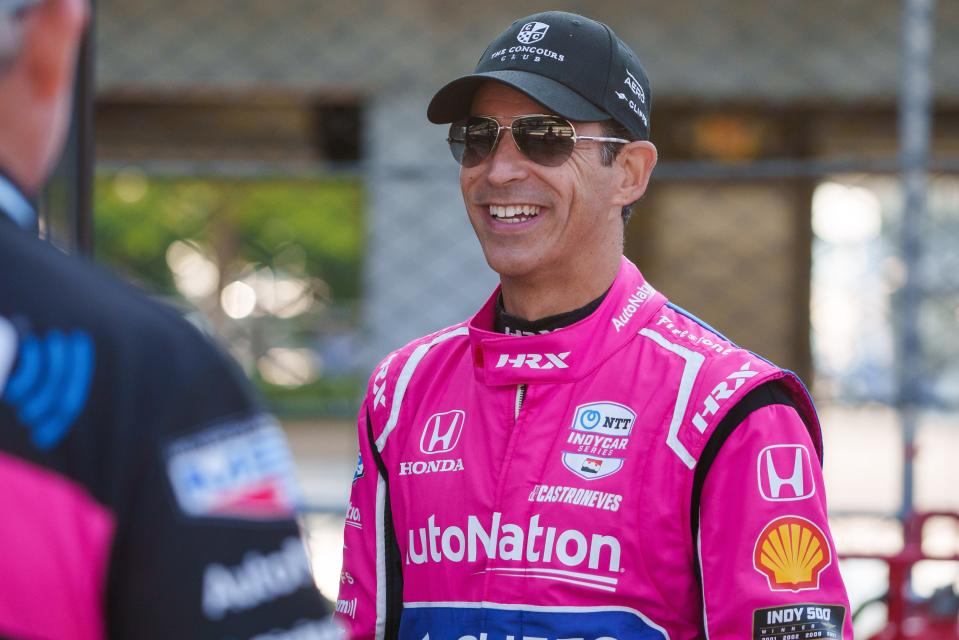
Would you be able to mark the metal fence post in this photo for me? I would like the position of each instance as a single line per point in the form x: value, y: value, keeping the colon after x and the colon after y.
x: 83, y: 121
x: 915, y: 104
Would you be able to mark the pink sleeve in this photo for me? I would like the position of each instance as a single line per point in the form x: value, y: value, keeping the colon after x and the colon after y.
x: 356, y: 606
x: 56, y: 549
x: 769, y: 564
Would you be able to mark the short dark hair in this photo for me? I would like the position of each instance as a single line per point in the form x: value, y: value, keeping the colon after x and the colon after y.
x: 609, y: 151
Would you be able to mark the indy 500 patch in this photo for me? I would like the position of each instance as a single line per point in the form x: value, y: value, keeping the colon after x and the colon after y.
x: 237, y: 469
x: 799, y: 622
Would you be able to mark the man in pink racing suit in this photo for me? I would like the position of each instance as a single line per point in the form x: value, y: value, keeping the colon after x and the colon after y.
x: 581, y: 459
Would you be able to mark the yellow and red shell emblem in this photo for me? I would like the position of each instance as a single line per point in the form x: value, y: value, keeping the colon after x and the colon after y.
x: 791, y: 552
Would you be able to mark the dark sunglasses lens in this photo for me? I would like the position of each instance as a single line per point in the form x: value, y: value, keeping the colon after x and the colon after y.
x: 457, y: 140
x: 545, y: 140
x: 472, y: 140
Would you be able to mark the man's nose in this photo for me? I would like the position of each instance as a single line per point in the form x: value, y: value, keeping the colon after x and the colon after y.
x: 506, y: 163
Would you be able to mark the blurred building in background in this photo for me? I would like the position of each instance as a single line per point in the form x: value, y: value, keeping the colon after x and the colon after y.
x: 268, y: 166
x: 270, y: 163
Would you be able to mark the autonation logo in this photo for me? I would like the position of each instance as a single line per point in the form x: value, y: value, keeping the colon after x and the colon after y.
x: 530, y: 543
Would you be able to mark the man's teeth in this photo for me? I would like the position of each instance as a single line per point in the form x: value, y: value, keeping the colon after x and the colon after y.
x: 513, y: 212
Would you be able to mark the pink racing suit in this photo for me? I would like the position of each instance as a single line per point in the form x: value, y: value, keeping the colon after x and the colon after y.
x: 633, y: 475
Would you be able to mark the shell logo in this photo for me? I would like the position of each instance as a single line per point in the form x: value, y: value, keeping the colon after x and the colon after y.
x: 791, y: 552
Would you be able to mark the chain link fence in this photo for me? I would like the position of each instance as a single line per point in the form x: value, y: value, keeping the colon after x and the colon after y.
x: 269, y: 167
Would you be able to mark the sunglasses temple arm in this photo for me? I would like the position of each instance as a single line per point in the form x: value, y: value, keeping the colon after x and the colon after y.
x: 603, y: 139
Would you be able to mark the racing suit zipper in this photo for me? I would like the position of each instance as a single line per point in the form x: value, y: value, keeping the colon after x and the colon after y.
x: 520, y: 394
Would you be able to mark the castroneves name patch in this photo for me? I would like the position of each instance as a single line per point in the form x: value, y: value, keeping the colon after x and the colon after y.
x: 799, y: 622
x: 239, y: 469
x: 576, y: 496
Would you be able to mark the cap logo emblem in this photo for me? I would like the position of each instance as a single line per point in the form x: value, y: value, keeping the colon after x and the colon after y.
x: 532, y: 32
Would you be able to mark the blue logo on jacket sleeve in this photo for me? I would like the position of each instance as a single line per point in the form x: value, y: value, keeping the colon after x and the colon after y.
x: 358, y: 473
x: 50, y: 385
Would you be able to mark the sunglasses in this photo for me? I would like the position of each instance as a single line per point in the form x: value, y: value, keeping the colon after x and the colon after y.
x: 546, y: 140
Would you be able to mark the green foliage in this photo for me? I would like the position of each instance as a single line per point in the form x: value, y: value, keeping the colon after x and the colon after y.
x: 256, y: 222
x: 307, y: 229
x: 337, y: 397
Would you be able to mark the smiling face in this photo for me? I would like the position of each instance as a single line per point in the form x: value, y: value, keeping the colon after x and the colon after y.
x: 542, y: 224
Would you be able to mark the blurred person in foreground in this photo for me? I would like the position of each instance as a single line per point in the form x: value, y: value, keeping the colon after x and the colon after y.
x: 143, y: 492
x: 581, y: 458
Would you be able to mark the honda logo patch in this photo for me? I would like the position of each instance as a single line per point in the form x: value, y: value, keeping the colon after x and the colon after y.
x: 442, y: 431
x: 785, y: 473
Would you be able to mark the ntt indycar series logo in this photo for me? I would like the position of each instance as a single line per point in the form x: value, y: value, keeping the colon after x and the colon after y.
x: 589, y: 558
x: 599, y: 435
x: 604, y: 419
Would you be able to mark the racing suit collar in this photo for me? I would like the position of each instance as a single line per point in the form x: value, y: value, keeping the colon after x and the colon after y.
x: 569, y: 353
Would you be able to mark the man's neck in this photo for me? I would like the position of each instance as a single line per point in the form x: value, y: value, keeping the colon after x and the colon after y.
x: 536, y: 298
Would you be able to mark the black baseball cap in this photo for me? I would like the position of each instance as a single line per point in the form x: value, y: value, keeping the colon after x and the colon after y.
x: 574, y: 66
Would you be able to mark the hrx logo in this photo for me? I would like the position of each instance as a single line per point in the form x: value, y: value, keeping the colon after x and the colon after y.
x: 722, y: 392
x: 534, y: 360
x: 379, y: 383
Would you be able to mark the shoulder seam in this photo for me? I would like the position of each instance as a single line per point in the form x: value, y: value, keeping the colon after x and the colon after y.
x: 768, y: 393
x: 406, y: 374
x: 700, y: 322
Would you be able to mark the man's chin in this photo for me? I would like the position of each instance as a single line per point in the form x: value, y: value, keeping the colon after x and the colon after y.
x: 513, y: 267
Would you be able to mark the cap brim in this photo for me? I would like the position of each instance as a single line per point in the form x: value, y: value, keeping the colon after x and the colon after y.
x: 455, y: 100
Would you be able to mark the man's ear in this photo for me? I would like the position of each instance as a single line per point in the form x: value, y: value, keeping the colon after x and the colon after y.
x: 636, y: 161
x: 51, y: 37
